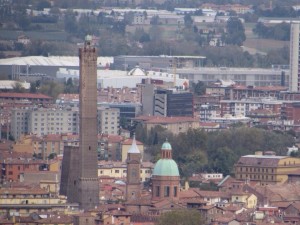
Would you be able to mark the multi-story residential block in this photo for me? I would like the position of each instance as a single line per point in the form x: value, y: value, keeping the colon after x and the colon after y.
x: 108, y: 120
x: 43, y: 146
x: 265, y: 169
x: 208, y: 111
x: 245, y: 106
x: 22, y: 201
x: 12, y: 168
x: 294, y: 83
x: 231, y: 91
x: 53, y: 121
x: 19, y: 122
x: 109, y: 147
x: 290, y: 110
x: 44, y: 121
x: 119, y: 169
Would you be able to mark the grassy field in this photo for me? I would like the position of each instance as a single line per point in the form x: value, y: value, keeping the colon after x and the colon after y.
x: 260, y: 44
x: 264, y: 45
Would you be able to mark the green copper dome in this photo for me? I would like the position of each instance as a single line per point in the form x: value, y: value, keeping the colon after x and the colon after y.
x: 166, y: 167
x: 166, y: 146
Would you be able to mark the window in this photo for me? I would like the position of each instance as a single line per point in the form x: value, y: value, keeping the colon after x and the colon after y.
x: 157, y: 191
x: 175, y: 191
x: 166, y: 191
x: 117, y: 171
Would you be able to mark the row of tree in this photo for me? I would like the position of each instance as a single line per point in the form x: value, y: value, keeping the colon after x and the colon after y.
x: 199, y: 151
x: 278, y: 32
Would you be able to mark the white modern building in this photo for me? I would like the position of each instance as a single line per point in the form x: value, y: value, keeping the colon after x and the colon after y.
x: 275, y: 76
x: 120, y: 78
x: 295, y: 57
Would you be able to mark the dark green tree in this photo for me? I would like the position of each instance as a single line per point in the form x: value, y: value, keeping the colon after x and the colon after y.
x: 235, y: 32
x: 181, y: 217
x: 198, y: 88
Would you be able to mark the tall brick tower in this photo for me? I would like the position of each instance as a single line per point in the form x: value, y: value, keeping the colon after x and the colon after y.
x: 133, y: 187
x: 79, y: 176
x: 88, y: 185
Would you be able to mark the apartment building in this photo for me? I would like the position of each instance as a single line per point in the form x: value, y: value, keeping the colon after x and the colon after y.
x: 108, y: 120
x: 19, y: 122
x: 44, y: 121
x: 231, y: 91
x: 119, y: 170
x: 245, y: 106
x: 265, y: 169
x: 46, y: 145
x: 295, y: 57
x: 25, y: 200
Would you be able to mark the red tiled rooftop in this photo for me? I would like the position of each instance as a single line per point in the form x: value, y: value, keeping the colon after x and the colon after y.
x: 258, y: 160
x: 165, y: 120
x: 208, y: 124
x: 129, y: 142
x: 23, y: 95
x: 20, y: 191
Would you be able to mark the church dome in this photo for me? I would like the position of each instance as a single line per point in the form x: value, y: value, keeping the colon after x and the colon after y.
x: 166, y: 146
x: 166, y: 167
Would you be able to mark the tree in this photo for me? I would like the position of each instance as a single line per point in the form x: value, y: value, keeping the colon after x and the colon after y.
x: 188, y: 21
x: 199, y: 88
x: 52, y: 89
x: 43, y: 4
x: 18, y: 87
x: 181, y: 217
x: 235, y: 32
x: 70, y: 88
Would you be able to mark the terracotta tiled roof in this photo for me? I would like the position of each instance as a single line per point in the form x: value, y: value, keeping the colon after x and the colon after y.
x: 224, y: 218
x: 191, y: 193
x: 284, y: 204
x: 280, y: 192
x: 68, y: 96
x: 165, y: 120
x: 232, y: 208
x: 256, y: 160
x: 165, y: 203
x: 19, y: 191
x: 194, y: 200
x: 129, y: 142
x: 208, y: 124
x: 107, y: 207
x: 211, y: 194
x: 23, y: 95
x: 56, y: 219
x: 53, y: 137
x: 115, y: 138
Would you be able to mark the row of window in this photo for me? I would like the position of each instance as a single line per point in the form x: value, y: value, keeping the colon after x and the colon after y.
x: 267, y: 170
x: 259, y: 177
x: 166, y: 192
x: 125, y: 171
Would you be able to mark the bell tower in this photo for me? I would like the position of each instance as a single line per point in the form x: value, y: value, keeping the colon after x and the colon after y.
x: 133, y: 188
